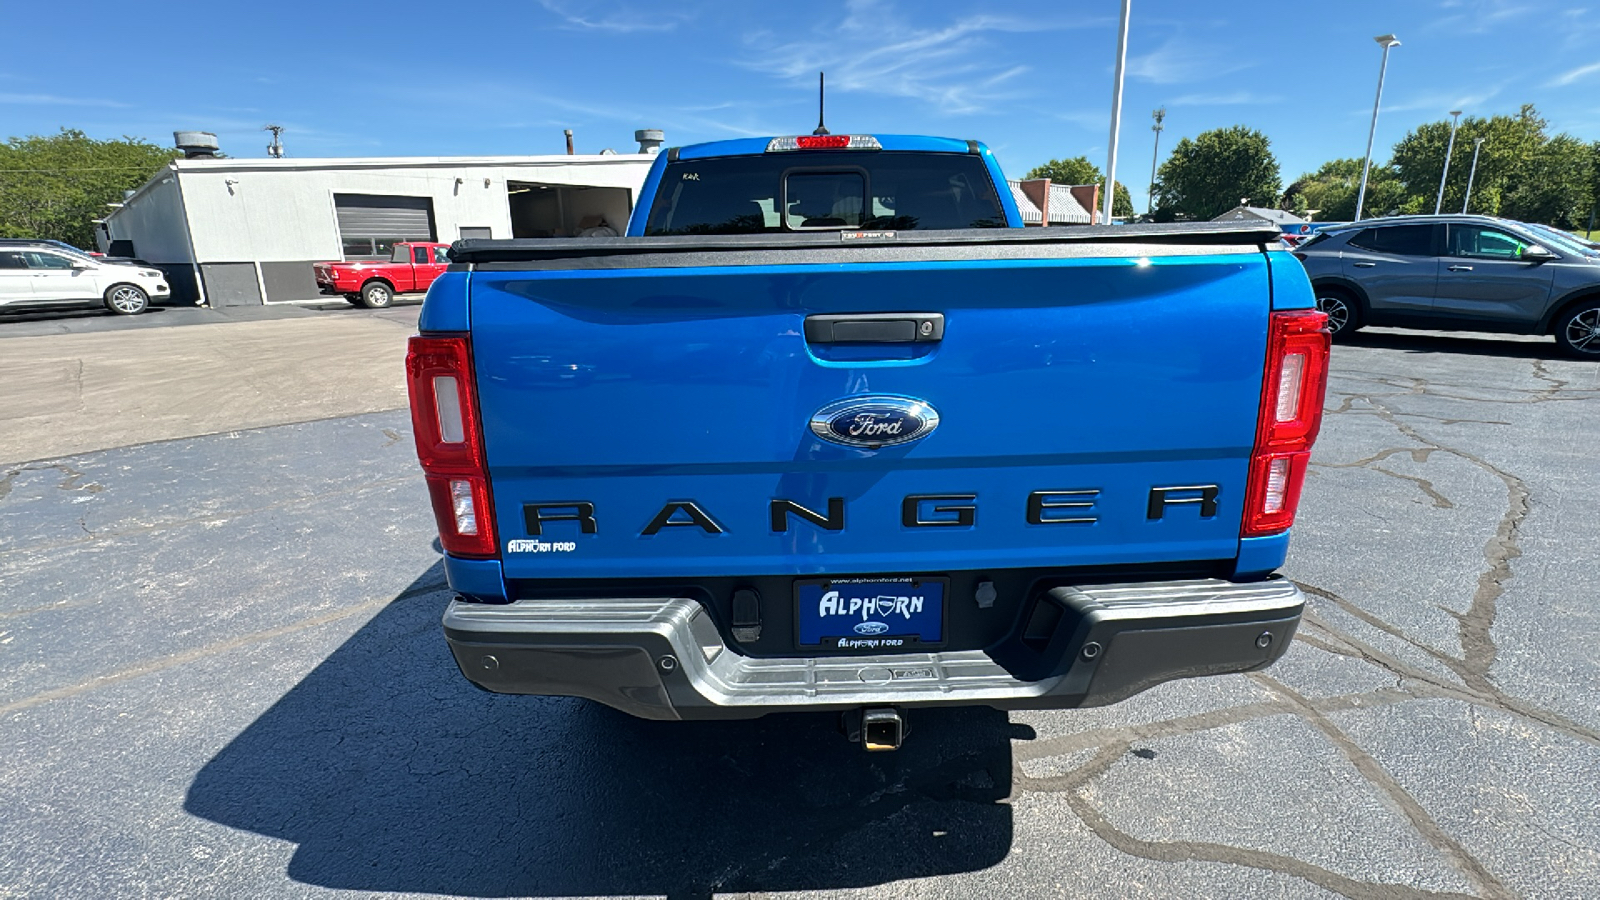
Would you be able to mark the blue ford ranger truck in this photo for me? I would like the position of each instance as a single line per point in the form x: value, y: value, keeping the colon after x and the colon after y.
x: 828, y: 430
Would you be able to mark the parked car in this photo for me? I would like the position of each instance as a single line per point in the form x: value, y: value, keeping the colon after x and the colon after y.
x: 1465, y: 273
x: 411, y: 268
x: 821, y: 452
x: 43, y: 275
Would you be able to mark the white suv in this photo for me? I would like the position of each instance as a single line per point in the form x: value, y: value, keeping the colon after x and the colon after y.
x: 42, y: 276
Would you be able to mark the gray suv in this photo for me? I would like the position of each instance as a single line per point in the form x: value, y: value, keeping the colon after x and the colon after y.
x: 1463, y: 273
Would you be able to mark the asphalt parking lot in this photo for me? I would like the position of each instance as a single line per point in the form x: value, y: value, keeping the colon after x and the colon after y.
x: 221, y: 674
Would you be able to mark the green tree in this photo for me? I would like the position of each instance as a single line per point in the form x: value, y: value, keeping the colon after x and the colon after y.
x: 1330, y: 192
x: 53, y: 187
x: 1208, y: 175
x: 1079, y: 170
x: 1386, y: 196
x: 1555, y: 186
x: 1594, y: 189
x: 1510, y: 148
x: 1329, y: 188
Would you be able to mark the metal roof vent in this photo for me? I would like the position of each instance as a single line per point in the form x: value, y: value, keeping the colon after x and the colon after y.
x: 196, y: 144
x: 650, y: 140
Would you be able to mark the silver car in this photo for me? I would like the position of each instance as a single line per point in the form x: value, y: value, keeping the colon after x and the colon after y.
x: 1461, y: 273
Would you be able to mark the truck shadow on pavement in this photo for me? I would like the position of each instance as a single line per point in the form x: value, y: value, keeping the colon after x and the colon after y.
x: 391, y: 773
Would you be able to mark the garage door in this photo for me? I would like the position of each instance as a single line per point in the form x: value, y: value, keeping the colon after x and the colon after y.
x: 371, y: 224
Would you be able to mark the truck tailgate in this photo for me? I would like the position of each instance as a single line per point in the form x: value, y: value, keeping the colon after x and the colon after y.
x: 1093, y: 378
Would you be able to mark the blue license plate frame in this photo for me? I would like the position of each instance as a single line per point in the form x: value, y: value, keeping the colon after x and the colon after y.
x: 872, y: 613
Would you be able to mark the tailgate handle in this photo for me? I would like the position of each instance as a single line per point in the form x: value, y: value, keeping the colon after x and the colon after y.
x: 875, y: 328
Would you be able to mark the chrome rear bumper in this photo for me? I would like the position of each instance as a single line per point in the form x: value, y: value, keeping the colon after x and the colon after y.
x: 665, y: 659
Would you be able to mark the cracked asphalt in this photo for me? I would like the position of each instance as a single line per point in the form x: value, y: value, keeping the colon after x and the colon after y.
x: 221, y: 674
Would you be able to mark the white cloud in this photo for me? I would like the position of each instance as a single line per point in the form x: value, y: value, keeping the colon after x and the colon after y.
x: 1177, y: 62
x: 54, y: 100
x: 550, y: 109
x: 1470, y: 103
x: 1483, y: 16
x: 611, y: 16
x: 1087, y: 118
x: 1569, y: 77
x: 1235, y: 98
x: 960, y: 67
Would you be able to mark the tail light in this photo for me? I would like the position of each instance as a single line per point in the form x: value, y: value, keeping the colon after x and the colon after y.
x: 824, y: 142
x: 444, y: 418
x: 1292, y: 393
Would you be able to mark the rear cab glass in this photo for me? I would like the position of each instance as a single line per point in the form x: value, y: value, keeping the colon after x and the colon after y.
x: 889, y: 190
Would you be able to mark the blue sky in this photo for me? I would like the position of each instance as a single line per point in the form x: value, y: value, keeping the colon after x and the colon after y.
x: 1032, y: 79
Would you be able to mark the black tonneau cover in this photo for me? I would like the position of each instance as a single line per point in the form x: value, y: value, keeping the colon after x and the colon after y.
x: 1151, y: 239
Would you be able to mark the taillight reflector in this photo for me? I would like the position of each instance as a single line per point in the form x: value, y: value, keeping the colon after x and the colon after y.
x: 444, y: 419
x: 1289, y: 387
x: 1292, y: 392
x: 447, y: 400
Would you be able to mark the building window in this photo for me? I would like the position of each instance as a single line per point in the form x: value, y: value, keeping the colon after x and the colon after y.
x: 470, y: 232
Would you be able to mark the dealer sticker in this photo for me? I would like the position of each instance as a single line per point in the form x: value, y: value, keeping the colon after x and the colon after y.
x: 531, y: 546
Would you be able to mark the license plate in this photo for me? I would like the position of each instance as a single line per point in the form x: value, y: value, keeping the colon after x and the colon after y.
x: 871, y: 614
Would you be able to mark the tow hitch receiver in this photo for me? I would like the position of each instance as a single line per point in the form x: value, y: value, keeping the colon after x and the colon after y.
x: 876, y: 729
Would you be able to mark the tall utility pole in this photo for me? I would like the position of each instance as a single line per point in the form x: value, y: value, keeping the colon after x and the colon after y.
x: 1477, y: 144
x: 1160, y: 116
x: 1116, y: 115
x: 1455, y: 122
x: 1388, y: 41
x: 275, y: 149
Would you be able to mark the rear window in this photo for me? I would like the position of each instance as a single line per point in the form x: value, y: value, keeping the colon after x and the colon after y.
x: 828, y: 190
x: 1401, y: 240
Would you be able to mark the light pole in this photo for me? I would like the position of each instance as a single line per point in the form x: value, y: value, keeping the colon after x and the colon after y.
x: 1455, y: 123
x: 1116, y: 115
x: 1471, y: 174
x: 1388, y: 41
x: 1160, y: 116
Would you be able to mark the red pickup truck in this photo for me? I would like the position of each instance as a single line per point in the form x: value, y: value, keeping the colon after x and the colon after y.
x: 411, y: 269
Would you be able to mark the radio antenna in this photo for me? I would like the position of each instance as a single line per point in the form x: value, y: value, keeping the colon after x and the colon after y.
x: 822, y: 102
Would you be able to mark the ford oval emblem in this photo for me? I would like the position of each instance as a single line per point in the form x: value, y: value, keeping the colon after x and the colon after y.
x: 874, y: 421
x: 872, y: 627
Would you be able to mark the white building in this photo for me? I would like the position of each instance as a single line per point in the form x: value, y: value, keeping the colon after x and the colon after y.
x: 232, y: 232
x: 1279, y: 217
x: 1041, y: 202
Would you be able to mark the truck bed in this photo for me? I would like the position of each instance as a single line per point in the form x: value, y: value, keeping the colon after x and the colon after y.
x: 656, y: 418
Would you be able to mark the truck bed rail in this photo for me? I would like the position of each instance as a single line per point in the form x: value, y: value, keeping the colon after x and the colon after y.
x: 1178, y: 238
